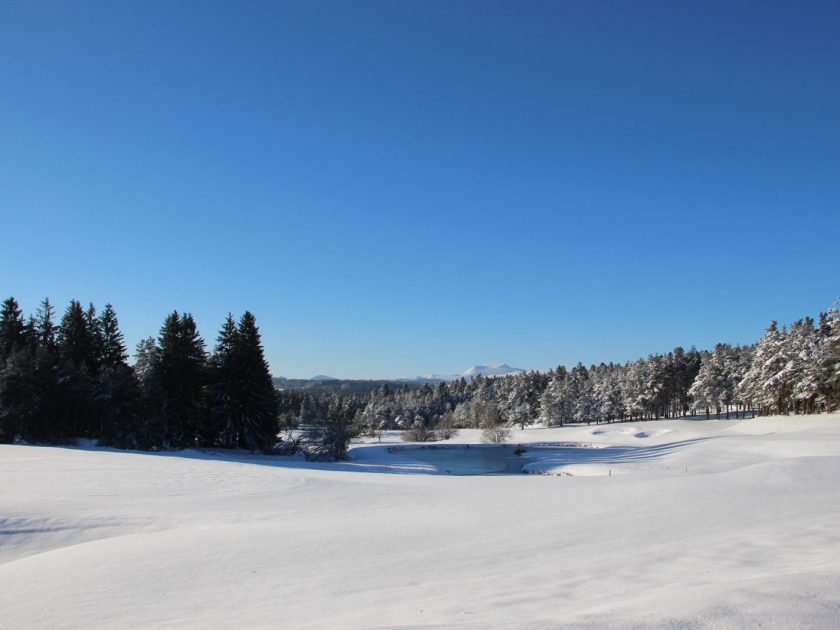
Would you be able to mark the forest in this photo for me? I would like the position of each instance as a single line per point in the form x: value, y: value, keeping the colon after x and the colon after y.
x: 71, y: 379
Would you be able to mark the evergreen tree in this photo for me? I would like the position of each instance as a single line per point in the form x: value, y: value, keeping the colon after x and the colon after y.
x: 96, y: 342
x: 118, y: 390
x: 12, y: 329
x: 555, y: 405
x: 711, y: 388
x: 146, y: 358
x: 257, y: 397
x: 76, y: 369
x: 18, y: 391
x: 76, y: 344
x: 45, y: 326
x: 44, y: 421
x: 329, y: 438
x: 830, y: 373
x: 766, y: 384
x: 112, y: 350
x: 224, y: 406
x: 181, y: 378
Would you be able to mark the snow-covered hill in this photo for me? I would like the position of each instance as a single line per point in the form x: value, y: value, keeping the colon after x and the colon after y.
x: 323, y: 377
x: 678, y: 524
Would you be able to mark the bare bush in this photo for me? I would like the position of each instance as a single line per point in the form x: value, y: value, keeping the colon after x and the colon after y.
x: 446, y: 428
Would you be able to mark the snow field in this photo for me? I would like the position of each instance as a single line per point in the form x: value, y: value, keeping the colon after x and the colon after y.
x: 725, y: 524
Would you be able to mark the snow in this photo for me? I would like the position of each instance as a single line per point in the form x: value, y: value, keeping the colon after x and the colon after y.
x: 726, y: 524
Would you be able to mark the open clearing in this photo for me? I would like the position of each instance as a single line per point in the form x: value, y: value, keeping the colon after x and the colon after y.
x: 677, y: 523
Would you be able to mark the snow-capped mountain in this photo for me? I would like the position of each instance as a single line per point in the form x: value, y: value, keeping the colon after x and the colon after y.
x: 323, y: 377
x: 494, y: 369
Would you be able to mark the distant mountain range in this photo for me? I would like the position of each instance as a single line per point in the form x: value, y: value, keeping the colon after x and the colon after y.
x: 494, y: 369
x: 323, y: 383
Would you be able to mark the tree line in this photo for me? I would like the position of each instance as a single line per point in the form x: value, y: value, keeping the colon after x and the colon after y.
x: 794, y: 369
x: 68, y: 380
x: 72, y: 379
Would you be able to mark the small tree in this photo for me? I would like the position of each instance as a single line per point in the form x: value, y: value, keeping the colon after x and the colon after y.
x: 418, y: 432
x: 496, y: 434
x: 492, y: 424
x: 329, y: 439
x: 446, y: 428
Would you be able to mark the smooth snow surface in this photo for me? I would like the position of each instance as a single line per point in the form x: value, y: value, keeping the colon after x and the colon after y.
x: 681, y: 524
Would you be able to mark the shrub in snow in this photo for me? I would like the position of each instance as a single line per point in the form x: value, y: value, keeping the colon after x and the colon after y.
x: 418, y: 432
x: 329, y: 440
x: 495, y: 432
x: 446, y: 428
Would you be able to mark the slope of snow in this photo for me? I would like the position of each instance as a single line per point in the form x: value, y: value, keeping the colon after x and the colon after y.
x: 728, y: 524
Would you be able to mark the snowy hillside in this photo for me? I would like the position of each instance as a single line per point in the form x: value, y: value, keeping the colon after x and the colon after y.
x: 673, y: 523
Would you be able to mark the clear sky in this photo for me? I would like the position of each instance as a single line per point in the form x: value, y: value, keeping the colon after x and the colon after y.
x: 402, y: 187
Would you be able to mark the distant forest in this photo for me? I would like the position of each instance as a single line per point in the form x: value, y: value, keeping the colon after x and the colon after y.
x: 71, y: 379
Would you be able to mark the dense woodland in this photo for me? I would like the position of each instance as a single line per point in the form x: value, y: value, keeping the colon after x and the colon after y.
x: 60, y: 382
x: 70, y: 379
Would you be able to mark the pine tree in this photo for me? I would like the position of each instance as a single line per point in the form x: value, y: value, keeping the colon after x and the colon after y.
x: 710, y: 388
x: 77, y: 366
x: 44, y: 421
x: 146, y: 358
x: 112, y: 350
x: 224, y: 407
x: 76, y: 345
x: 256, y: 396
x: 636, y: 389
x: 766, y: 384
x: 95, y: 331
x: 45, y: 325
x: 181, y: 377
x: 118, y: 390
x: 830, y: 372
x: 555, y: 407
x: 18, y: 391
x: 329, y: 438
x: 12, y: 329
x: 804, y: 365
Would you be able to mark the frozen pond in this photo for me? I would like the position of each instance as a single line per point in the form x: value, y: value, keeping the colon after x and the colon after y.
x: 465, y: 460
x: 556, y: 458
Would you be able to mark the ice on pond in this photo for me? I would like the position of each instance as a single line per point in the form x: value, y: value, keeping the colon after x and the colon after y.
x: 484, y: 459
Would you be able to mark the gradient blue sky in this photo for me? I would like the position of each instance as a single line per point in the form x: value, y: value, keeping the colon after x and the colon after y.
x: 402, y: 187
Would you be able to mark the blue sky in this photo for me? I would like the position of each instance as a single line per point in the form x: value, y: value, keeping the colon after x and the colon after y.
x: 402, y: 187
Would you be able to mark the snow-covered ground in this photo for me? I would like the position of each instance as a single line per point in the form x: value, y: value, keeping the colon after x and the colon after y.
x: 726, y: 524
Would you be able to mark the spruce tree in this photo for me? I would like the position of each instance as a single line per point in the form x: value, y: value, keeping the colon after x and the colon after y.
x: 223, y: 404
x: 118, y: 391
x: 254, y: 390
x: 76, y: 369
x: 181, y: 367
x: 75, y: 339
x: 14, y: 387
x: 112, y: 350
x: 12, y: 329
x: 45, y: 419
